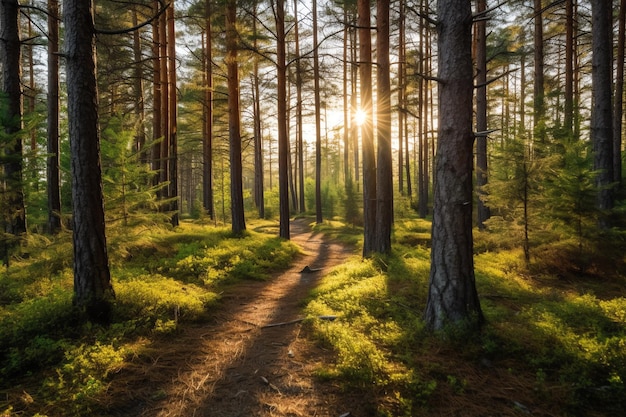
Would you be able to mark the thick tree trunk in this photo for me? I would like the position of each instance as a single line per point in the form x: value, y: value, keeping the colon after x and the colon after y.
x: 452, y: 296
x: 93, y: 291
x: 234, y: 122
x: 384, y: 172
x: 53, y: 160
x: 601, y: 112
x: 12, y: 160
x: 367, y: 128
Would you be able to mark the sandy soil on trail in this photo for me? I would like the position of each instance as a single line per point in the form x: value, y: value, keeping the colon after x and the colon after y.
x: 234, y: 366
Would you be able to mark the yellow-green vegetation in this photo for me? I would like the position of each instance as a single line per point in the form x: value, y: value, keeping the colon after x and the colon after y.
x: 161, y: 277
x: 563, y: 340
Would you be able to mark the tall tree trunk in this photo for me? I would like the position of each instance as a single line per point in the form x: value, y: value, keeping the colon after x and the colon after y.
x: 318, y: 123
x: 618, y: 97
x: 165, y: 102
x: 12, y: 160
x: 568, y: 107
x: 452, y: 295
x: 539, y: 111
x: 401, y: 100
x: 299, y: 117
x: 481, y: 115
x: 259, y: 192
x: 157, y: 128
x: 283, y: 138
x: 138, y: 95
x: 93, y: 291
x: 347, y: 176
x: 53, y: 160
x: 207, y: 140
x: 423, y: 106
x: 355, y: 128
x: 367, y: 128
x: 173, y: 115
x: 601, y: 111
x: 234, y: 122
x: 384, y: 173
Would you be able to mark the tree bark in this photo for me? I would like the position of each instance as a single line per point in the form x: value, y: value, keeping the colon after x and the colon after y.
x: 318, y: 123
x: 481, y: 115
x: 452, y: 296
x: 173, y: 116
x: 618, y: 97
x: 539, y: 111
x: 402, y: 103
x: 157, y: 92
x: 384, y: 170
x: 138, y: 94
x: 568, y: 108
x: 299, y: 117
x: 283, y: 138
x: 93, y: 292
x: 259, y: 180
x: 601, y: 111
x: 207, y: 140
x: 12, y: 160
x: 347, y: 111
x: 234, y: 122
x: 367, y: 128
x: 53, y: 160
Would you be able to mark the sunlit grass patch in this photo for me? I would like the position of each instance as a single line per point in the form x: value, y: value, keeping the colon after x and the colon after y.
x: 343, y: 232
x: 563, y: 344
x: 158, y: 297
x: 374, y: 329
x: 162, y: 277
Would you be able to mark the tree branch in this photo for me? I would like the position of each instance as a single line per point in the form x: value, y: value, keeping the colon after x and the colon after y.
x: 137, y: 27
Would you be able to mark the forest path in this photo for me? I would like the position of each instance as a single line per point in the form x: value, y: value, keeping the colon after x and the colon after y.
x: 233, y: 365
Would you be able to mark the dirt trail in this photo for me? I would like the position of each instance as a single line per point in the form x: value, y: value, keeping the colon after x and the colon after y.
x: 234, y: 366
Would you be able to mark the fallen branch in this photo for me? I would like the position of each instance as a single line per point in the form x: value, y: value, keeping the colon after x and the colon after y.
x: 268, y: 383
x: 284, y: 323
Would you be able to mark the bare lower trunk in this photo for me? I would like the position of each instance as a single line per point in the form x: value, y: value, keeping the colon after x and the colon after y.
x: 452, y: 296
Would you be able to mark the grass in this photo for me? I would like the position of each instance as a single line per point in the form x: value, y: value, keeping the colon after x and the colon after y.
x: 549, y: 347
x: 162, y: 278
x: 554, y: 342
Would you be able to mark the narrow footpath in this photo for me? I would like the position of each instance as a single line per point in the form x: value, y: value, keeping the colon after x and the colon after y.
x: 244, y: 362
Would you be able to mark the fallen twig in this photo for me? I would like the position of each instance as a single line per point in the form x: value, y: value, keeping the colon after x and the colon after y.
x: 328, y: 318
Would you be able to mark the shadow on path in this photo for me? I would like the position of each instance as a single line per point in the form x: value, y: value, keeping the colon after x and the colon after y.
x: 234, y: 366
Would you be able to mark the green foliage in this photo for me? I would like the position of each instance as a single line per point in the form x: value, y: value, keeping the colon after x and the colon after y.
x: 375, y: 329
x: 330, y: 195
x: 353, y: 214
x: 162, y: 278
x: 129, y: 195
x: 556, y: 337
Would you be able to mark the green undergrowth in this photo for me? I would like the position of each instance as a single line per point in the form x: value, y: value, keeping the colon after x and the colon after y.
x: 555, y: 346
x: 54, y: 365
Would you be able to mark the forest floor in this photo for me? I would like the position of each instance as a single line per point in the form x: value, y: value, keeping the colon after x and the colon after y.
x: 243, y: 362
